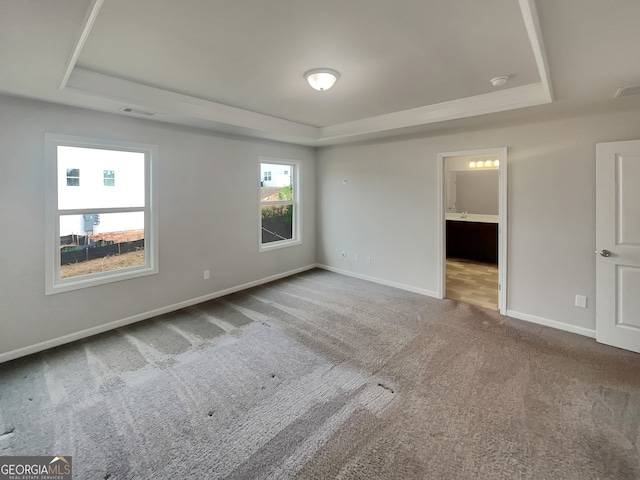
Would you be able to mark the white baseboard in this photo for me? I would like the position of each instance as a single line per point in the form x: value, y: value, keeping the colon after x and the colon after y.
x: 381, y: 281
x: 510, y: 313
x: 21, y: 352
x: 72, y: 337
x: 587, y: 332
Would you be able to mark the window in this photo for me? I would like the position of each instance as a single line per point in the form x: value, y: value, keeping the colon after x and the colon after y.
x: 73, y: 177
x: 109, y: 177
x: 267, y: 176
x: 279, y: 204
x: 98, y: 235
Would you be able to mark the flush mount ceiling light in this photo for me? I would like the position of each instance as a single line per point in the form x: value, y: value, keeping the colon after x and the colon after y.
x: 499, y: 81
x: 321, y: 78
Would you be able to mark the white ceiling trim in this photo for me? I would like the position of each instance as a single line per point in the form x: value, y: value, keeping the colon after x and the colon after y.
x: 165, y: 103
x: 500, y: 101
x: 532, y: 24
x: 180, y: 108
x: 92, y: 14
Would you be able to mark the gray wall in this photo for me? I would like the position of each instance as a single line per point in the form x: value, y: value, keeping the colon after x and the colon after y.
x: 208, y: 219
x: 388, y: 209
x: 478, y: 191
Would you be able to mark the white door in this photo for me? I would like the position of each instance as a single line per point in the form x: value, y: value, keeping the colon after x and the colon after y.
x: 618, y: 244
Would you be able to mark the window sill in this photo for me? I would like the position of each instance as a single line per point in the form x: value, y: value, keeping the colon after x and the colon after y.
x: 92, y: 280
x: 266, y: 247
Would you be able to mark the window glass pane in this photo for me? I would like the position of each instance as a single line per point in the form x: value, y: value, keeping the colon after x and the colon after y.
x: 98, y: 169
x: 98, y: 243
x: 276, y: 183
x: 277, y: 223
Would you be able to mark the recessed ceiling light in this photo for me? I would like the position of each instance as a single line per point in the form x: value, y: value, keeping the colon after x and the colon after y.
x: 499, y: 81
x: 321, y: 78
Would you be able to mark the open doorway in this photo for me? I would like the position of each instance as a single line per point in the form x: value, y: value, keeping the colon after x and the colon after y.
x: 473, y: 227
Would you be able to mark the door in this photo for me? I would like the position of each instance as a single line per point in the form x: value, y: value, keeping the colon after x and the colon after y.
x: 618, y: 244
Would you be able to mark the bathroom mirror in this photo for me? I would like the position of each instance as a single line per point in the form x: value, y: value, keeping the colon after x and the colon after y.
x: 473, y: 191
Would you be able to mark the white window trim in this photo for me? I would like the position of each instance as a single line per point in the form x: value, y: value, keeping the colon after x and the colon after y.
x: 296, y: 229
x: 53, y: 283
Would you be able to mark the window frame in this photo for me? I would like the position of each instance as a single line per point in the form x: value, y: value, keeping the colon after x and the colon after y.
x: 296, y: 230
x: 54, y: 283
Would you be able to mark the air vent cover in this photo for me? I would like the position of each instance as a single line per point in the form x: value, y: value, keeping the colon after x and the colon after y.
x: 627, y: 91
x: 135, y: 111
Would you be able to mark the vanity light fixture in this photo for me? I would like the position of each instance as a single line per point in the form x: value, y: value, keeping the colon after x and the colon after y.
x: 321, y: 78
x: 485, y: 164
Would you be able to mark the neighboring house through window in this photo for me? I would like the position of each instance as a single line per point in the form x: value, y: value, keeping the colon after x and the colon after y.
x: 98, y: 235
x: 279, y: 204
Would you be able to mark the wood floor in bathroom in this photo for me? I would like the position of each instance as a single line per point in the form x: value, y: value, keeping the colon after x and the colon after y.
x: 472, y: 282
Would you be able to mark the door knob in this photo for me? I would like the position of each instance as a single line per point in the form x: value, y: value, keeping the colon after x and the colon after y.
x: 604, y: 253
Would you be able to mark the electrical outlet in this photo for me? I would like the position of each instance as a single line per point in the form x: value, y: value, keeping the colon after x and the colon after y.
x: 368, y: 258
x: 206, y: 275
x: 581, y: 301
x: 356, y: 257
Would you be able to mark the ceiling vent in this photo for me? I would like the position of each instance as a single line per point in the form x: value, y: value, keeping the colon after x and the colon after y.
x: 627, y: 91
x: 135, y: 111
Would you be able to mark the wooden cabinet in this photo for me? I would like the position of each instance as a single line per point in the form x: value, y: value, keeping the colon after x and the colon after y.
x: 473, y: 241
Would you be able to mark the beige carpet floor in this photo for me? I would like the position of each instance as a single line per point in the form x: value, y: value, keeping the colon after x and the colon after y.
x: 323, y: 376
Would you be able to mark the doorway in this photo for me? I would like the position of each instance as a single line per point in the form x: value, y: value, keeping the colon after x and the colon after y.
x: 473, y: 227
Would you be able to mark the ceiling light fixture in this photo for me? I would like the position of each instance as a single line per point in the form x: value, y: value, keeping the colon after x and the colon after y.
x: 321, y: 78
x: 499, y: 81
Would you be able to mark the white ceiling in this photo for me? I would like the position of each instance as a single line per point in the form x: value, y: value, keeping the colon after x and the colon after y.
x: 238, y: 66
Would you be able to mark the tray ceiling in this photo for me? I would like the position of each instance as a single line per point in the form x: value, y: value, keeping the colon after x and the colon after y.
x: 238, y: 66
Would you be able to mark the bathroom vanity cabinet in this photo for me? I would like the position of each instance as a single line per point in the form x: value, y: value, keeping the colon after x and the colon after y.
x: 472, y: 240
